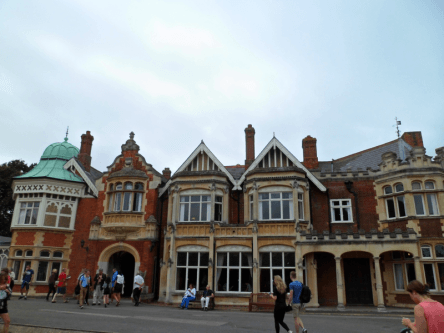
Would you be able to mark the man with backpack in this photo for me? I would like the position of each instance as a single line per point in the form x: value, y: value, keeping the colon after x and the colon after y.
x: 295, y: 294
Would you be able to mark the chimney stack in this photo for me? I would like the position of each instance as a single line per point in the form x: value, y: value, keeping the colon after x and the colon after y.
x: 249, y: 145
x: 85, y: 150
x: 414, y: 139
x: 167, y: 173
x: 310, y: 153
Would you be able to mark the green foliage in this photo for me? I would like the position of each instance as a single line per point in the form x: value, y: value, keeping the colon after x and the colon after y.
x: 7, y: 172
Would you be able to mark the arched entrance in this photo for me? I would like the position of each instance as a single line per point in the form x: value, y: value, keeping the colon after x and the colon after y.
x: 121, y: 256
x: 357, y: 278
x: 124, y: 262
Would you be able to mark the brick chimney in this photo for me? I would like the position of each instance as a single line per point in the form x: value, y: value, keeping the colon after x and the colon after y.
x: 167, y: 173
x: 310, y: 153
x: 414, y: 139
x: 85, y: 150
x: 249, y: 145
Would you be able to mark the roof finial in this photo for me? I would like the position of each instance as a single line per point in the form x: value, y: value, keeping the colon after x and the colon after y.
x: 132, y: 135
x: 398, y: 122
x: 66, y: 138
x: 273, y: 135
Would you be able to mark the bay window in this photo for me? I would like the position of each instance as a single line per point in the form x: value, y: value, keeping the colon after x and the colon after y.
x: 234, y: 272
x: 218, y: 209
x: 125, y: 197
x: 433, y: 266
x: 421, y: 199
x: 28, y: 212
x: 251, y: 201
x: 195, y: 208
x: 276, y: 206
x: 192, y: 267
x: 301, y: 206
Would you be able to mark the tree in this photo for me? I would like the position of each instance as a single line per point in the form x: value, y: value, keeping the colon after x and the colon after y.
x: 7, y: 172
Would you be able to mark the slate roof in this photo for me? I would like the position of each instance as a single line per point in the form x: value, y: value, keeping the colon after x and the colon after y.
x: 369, y: 158
x: 236, y: 171
x: 5, y: 240
x: 93, y: 174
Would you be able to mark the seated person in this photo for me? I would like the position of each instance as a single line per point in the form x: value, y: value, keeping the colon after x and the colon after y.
x: 190, y: 295
x: 207, y: 294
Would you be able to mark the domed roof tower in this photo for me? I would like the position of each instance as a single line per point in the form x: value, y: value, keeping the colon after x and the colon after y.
x: 52, y: 161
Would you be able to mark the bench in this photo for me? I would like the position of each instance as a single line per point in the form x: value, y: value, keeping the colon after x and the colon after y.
x: 260, y: 302
x: 196, y: 303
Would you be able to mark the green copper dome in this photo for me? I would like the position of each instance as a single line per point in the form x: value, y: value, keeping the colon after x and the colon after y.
x: 52, y: 163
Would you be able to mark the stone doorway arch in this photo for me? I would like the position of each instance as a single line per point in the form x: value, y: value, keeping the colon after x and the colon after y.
x: 110, y: 253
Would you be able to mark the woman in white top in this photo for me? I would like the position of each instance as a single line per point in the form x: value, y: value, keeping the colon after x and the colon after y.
x: 190, y: 295
x: 118, y: 288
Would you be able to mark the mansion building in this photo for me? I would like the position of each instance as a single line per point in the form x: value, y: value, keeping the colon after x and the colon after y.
x: 356, y: 229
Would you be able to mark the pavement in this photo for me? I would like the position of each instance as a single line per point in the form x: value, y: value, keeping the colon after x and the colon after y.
x: 39, y: 316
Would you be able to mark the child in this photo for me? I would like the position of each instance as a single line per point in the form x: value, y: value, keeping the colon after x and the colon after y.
x: 5, y: 291
x: 106, y: 291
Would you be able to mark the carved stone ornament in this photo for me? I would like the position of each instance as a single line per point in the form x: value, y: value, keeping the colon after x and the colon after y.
x: 165, y: 230
x: 173, y: 228
x: 176, y: 188
x: 96, y: 220
x: 300, y: 265
x: 295, y: 184
x: 255, y: 228
x: 170, y: 262
x: 244, y: 188
x: 211, y: 228
x: 308, y: 184
x: 162, y: 263
x: 210, y: 262
x: 169, y: 190
x: 130, y: 144
x: 255, y: 186
x: 213, y: 187
x: 298, y: 227
x: 129, y: 172
x: 151, y: 219
x: 227, y: 189
x: 255, y: 263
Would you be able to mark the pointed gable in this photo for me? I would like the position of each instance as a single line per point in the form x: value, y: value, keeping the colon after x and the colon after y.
x: 201, y: 159
x: 275, y: 155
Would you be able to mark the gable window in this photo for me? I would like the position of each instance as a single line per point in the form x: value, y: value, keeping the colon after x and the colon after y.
x: 28, y: 212
x: 195, y: 208
x: 125, y: 197
x: 276, y: 206
x: 341, y: 210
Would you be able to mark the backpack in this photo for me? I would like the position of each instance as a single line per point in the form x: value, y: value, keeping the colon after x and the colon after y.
x: 305, y: 294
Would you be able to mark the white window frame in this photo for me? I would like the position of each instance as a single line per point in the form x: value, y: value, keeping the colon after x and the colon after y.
x: 46, y: 274
x: 281, y: 201
x: 341, y: 207
x: 271, y: 268
x: 430, y: 249
x: 60, y: 204
x: 228, y: 268
x: 434, y: 248
x: 24, y: 210
x: 53, y: 254
x: 423, y: 205
x: 429, y: 182
x: 251, y: 206
x: 434, y: 274
x: 434, y: 204
x: 220, y: 205
x: 396, y: 190
x: 301, y: 206
x: 48, y: 256
x: 16, y: 255
x: 26, y: 253
x: 189, y: 203
x: 407, y: 273
x: 187, y: 267
x: 394, y: 276
x: 420, y: 186
x: 387, y: 210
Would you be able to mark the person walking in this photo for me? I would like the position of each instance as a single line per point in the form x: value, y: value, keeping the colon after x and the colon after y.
x: 26, y: 282
x: 85, y: 282
x: 113, y: 283
x: 82, y: 273
x: 52, y: 284
x: 190, y: 295
x: 5, y: 271
x: 106, y: 291
x: 12, y: 275
x: 205, y: 300
x: 61, y: 286
x: 118, y: 287
x: 139, y: 282
x: 99, y: 280
x: 280, y: 296
x: 5, y: 292
x: 429, y: 313
x: 295, y: 293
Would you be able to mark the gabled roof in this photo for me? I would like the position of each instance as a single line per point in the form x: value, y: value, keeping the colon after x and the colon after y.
x: 369, y: 158
x: 200, y: 148
x: 87, y: 177
x: 276, y: 143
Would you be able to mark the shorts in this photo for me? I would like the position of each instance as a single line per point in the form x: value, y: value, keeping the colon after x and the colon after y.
x: 25, y: 285
x: 61, y: 290
x: 3, y: 309
x: 296, y: 307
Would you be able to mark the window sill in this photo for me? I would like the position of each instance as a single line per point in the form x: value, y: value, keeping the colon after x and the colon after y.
x: 414, y: 217
x: 124, y: 212
x: 342, y: 222
x: 245, y: 294
x: 37, y: 227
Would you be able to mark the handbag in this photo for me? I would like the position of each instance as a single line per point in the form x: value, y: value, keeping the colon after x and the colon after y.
x: 288, y: 308
x: 77, y: 290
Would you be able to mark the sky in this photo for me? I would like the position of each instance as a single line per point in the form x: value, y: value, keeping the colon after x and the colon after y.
x: 178, y: 72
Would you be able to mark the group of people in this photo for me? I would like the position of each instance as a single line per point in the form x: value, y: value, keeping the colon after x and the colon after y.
x: 190, y: 295
x: 106, y: 288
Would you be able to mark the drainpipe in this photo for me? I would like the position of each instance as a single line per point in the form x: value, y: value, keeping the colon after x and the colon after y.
x: 329, y: 210
x: 159, y: 255
x: 348, y: 185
